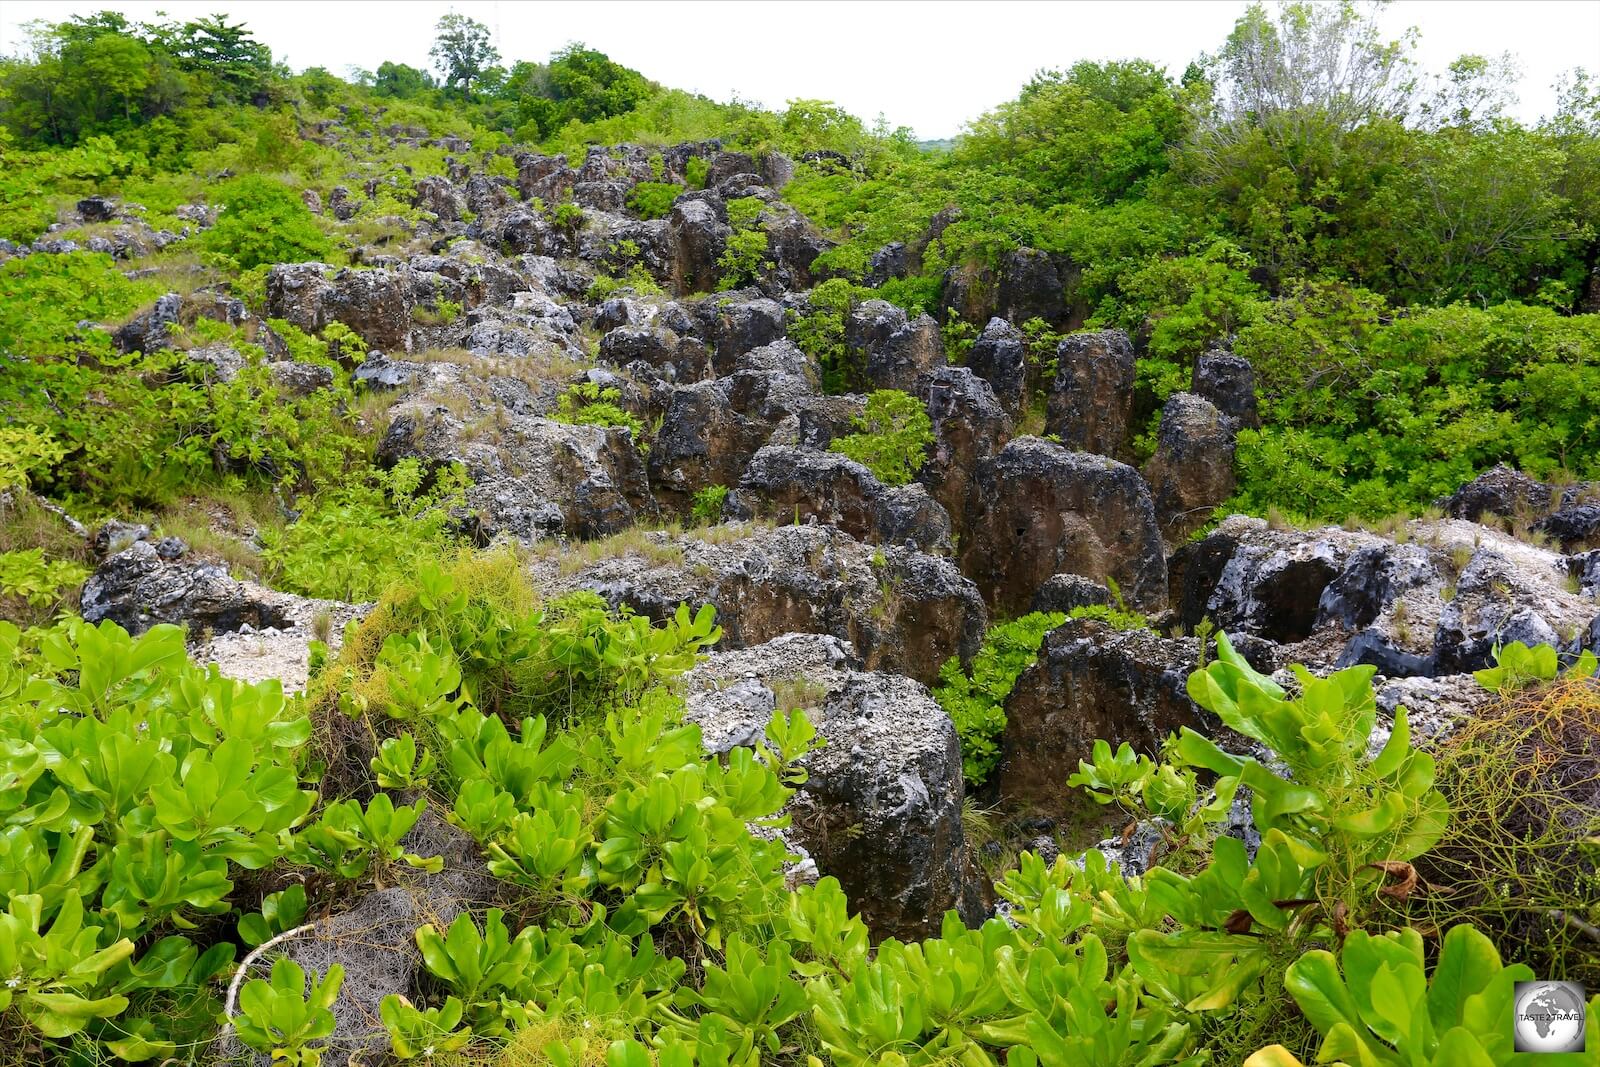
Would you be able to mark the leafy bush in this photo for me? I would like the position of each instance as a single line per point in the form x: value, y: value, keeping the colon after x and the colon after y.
x: 27, y: 576
x: 892, y: 439
x: 819, y: 333
x: 43, y: 298
x: 707, y: 506
x: 352, y: 543
x: 744, y: 259
x: 695, y: 172
x: 653, y: 200
x: 588, y: 404
x: 1373, y: 413
x: 1376, y: 1002
x: 264, y: 222
x: 975, y: 699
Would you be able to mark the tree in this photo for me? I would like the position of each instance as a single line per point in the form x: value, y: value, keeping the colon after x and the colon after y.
x: 1302, y: 124
x: 1476, y: 215
x: 589, y: 86
x: 401, y: 82
x: 462, y: 51
x: 226, y: 51
x: 1326, y: 59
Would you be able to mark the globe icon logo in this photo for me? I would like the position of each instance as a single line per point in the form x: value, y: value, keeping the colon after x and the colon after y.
x: 1549, y: 1017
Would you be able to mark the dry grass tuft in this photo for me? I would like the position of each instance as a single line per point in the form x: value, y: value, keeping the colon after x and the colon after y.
x: 1520, y: 858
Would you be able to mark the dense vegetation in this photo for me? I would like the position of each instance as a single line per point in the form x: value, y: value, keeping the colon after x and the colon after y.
x: 1410, y: 272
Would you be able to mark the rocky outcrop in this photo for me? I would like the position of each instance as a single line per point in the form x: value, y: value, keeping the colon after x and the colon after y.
x: 1000, y: 358
x: 887, y: 263
x: 249, y: 632
x: 881, y: 807
x: 711, y: 430
x: 903, y: 610
x: 1026, y: 284
x: 152, y: 329
x: 1046, y: 510
x: 1508, y: 592
x: 1090, y: 682
x: 1191, y: 471
x: 376, y: 304
x: 438, y: 195
x: 1434, y: 604
x: 699, y: 233
x: 1032, y: 287
x: 1229, y: 382
x: 1090, y: 406
x: 1500, y: 492
x: 793, y: 245
x: 162, y: 582
x: 969, y: 429
x: 733, y: 328
x: 804, y: 485
x: 1264, y: 582
x: 1567, y: 514
x: 651, y: 351
x: 1064, y: 592
x: 892, y: 351
x: 532, y: 477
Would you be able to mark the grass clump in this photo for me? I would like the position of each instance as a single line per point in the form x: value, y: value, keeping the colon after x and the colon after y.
x: 1521, y: 857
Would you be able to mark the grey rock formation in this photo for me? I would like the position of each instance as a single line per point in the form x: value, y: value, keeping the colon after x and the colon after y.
x: 1091, y: 404
x: 999, y: 357
x: 137, y: 588
x: 1063, y: 592
x: 673, y: 358
x: 1436, y: 604
x: 1191, y: 471
x: 1045, y: 510
x: 892, y: 351
x: 699, y: 232
x: 711, y: 430
x: 532, y: 477
x: 1090, y: 682
x: 785, y: 483
x: 881, y: 809
x: 969, y: 429
x: 902, y: 610
x: 1229, y: 382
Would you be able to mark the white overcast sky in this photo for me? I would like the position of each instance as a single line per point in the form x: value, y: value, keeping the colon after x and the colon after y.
x: 930, y: 65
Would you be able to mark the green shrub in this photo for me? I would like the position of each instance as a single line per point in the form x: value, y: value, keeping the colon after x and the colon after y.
x: 352, y: 543
x: 653, y: 200
x: 819, y: 333
x: 264, y: 222
x: 892, y: 439
x: 695, y: 172
x: 587, y: 404
x: 975, y: 699
x: 707, y: 507
x: 43, y: 298
x: 745, y: 257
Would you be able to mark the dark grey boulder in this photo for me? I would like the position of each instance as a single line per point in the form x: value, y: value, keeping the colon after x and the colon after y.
x: 1000, y: 357
x: 1090, y: 406
x: 1191, y: 472
x: 1044, y: 510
